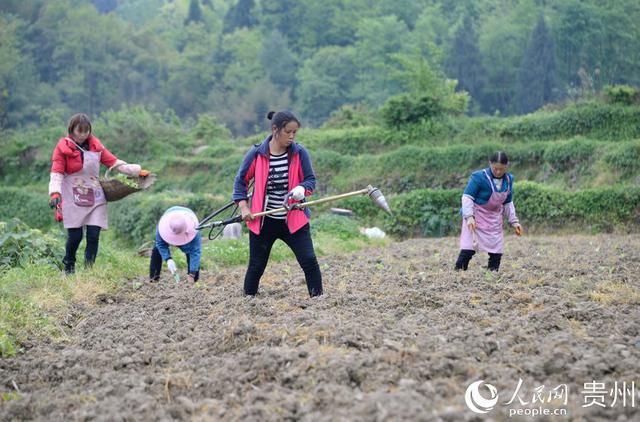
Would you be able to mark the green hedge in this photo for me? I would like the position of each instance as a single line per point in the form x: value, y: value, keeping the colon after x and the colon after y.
x: 603, y: 209
x: 606, y: 122
x: 421, y: 212
x: 353, y: 141
x: 428, y: 212
x: 597, y: 120
x: 134, y: 218
x: 624, y: 158
x: 200, y: 174
x: 574, y: 163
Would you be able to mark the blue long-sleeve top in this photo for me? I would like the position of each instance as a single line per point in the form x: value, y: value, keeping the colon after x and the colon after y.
x: 191, y: 249
x: 479, y: 189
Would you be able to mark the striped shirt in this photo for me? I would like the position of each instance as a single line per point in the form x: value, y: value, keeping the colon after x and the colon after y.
x: 277, y: 183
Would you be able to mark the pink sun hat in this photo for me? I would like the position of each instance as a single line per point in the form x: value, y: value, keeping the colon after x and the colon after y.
x: 177, y: 226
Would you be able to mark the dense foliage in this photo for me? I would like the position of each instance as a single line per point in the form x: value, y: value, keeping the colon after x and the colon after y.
x: 237, y: 59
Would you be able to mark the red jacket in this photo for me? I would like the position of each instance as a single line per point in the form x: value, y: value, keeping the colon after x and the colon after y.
x: 256, y: 166
x: 67, y: 159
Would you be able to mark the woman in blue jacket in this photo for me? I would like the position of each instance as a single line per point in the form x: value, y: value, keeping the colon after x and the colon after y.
x: 177, y: 227
x: 486, y: 199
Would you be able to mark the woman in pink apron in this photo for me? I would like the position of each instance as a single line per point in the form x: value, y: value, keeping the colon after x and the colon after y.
x: 74, y: 187
x: 486, y: 199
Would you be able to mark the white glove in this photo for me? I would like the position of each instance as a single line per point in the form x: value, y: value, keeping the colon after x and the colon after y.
x: 297, y: 193
x: 172, y: 266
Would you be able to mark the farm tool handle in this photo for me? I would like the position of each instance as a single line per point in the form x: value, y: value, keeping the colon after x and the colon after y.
x: 213, y: 214
x: 374, y: 194
x: 213, y: 224
x: 315, y: 202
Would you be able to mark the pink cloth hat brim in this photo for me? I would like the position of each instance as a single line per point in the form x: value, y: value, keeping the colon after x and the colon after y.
x: 178, y: 239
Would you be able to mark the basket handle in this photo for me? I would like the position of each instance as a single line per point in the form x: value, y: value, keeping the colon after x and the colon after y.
x: 115, y: 166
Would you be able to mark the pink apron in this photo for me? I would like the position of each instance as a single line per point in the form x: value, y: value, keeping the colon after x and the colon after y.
x: 488, y: 236
x: 83, y: 201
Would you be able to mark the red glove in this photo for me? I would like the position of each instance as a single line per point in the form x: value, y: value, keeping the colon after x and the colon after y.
x: 58, y: 214
x: 144, y: 173
x: 54, y: 200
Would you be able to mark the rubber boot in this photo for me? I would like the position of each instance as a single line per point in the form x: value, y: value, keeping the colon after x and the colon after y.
x: 69, y: 266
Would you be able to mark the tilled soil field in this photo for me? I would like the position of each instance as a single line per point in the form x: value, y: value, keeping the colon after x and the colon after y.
x: 398, y: 335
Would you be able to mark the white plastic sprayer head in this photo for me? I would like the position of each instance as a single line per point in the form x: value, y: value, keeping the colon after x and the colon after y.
x: 378, y: 198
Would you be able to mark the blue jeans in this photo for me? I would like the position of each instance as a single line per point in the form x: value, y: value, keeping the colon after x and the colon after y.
x: 299, y: 242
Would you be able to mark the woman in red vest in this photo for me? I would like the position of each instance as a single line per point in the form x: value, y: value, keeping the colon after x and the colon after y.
x: 280, y: 168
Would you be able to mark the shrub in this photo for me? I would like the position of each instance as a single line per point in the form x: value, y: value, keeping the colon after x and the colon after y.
x: 621, y: 94
x: 26, y: 156
x: 405, y: 109
x: 21, y: 245
x: 208, y: 130
x: 341, y: 227
x: 624, y: 158
x: 350, y: 116
x: 30, y: 206
x: 136, y: 134
x: 567, y: 155
x: 424, y: 212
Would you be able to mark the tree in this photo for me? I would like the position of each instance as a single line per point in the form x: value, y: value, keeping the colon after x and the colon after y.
x: 407, y: 11
x: 464, y: 61
x: 190, y: 76
x: 278, y: 61
x: 245, y: 113
x: 27, y: 9
x: 195, y: 12
x: 105, y: 6
x: 537, y: 77
x: 21, y: 95
x: 601, y: 38
x: 326, y: 79
x: 311, y: 24
x: 281, y: 14
x: 377, y: 40
x: 242, y: 67
x: 426, y: 89
x: 502, y: 43
x: 578, y: 34
x: 240, y: 15
x: 83, y: 61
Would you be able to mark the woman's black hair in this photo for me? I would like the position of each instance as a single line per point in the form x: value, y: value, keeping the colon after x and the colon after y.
x: 499, y: 157
x: 282, y: 118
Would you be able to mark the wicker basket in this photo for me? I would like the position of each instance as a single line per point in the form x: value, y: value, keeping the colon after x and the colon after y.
x: 114, y: 189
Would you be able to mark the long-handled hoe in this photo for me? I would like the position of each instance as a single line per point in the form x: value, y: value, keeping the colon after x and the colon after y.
x: 374, y: 193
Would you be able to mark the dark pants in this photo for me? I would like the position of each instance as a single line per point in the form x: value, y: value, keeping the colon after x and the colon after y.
x: 299, y: 242
x: 466, y: 254
x: 155, y: 266
x: 74, y: 237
